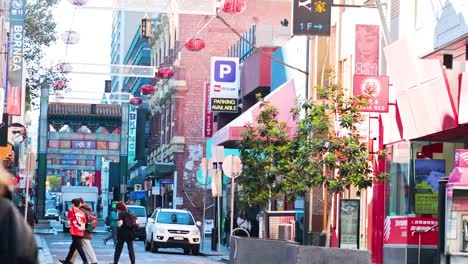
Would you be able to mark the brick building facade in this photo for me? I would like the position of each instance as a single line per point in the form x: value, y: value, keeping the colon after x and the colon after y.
x: 181, y: 141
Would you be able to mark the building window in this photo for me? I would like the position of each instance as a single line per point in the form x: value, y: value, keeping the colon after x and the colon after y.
x: 398, y: 184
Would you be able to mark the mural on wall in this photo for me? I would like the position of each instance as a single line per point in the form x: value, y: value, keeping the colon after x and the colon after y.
x: 191, y: 167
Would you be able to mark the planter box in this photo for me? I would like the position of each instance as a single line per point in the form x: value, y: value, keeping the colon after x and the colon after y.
x: 255, y: 251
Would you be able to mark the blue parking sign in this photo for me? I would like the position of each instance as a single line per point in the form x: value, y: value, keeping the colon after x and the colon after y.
x: 225, y: 71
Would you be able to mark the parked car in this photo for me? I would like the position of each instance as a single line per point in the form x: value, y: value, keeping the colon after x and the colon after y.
x: 140, y: 213
x: 172, y: 228
x: 52, y: 214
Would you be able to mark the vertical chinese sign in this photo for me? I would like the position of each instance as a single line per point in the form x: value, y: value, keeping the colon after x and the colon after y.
x: 208, y: 115
x: 132, y: 116
x: 367, y: 81
x: 15, y: 65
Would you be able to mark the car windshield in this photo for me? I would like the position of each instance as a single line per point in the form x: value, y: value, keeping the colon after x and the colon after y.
x: 51, y: 211
x: 175, y: 218
x: 137, y: 211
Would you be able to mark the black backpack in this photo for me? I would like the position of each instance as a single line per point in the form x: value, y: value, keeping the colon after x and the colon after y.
x: 130, y: 221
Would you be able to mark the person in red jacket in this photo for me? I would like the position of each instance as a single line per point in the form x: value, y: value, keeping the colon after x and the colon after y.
x: 77, y: 227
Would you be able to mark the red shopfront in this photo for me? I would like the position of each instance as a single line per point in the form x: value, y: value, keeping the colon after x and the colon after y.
x: 422, y: 131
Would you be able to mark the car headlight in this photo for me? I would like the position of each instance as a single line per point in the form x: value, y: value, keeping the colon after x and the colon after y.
x: 196, y: 232
x: 142, y: 224
x: 160, y: 230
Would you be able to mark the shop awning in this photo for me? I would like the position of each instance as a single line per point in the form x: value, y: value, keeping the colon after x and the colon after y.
x: 158, y: 170
x: 422, y: 93
x: 459, y: 176
x: 284, y: 98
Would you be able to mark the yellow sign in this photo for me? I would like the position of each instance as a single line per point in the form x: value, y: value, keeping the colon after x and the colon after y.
x: 226, y: 105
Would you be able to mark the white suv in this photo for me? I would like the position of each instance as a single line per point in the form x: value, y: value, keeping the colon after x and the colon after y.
x: 172, y: 228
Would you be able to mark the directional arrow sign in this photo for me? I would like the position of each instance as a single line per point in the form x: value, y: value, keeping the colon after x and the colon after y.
x: 311, y: 17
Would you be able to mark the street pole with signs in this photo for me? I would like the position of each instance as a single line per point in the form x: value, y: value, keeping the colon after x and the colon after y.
x: 30, y: 168
x: 217, y: 191
x: 232, y: 167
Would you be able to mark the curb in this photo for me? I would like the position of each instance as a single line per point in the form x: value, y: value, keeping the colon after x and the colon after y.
x: 44, y: 253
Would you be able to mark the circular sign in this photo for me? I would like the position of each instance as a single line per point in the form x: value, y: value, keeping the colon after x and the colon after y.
x: 232, y: 166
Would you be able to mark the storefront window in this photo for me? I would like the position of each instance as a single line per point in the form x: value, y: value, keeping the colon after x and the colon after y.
x: 415, y: 169
x: 398, y: 188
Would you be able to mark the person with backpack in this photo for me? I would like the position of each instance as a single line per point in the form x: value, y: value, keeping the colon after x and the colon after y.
x: 77, y: 227
x: 128, y: 224
x: 90, y: 225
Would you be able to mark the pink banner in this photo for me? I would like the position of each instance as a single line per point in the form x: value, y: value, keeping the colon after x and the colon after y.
x: 14, y: 101
x: 208, y: 124
x: 367, y: 50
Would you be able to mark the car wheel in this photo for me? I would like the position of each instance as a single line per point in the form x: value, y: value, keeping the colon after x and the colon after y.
x: 65, y: 230
x: 154, y: 247
x: 186, y: 251
x: 196, y: 250
x: 147, y: 245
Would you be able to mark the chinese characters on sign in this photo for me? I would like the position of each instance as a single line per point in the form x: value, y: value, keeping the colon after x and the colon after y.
x: 375, y: 88
x: 83, y: 144
x: 366, y: 60
x: 399, y: 230
x: 132, y: 133
x: 208, y: 124
x: 311, y: 17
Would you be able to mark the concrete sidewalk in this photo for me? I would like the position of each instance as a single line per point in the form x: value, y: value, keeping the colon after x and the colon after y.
x: 206, y: 250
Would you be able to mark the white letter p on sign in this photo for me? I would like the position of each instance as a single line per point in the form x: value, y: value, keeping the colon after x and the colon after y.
x: 224, y: 69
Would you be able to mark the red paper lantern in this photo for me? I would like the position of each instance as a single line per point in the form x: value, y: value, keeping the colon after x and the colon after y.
x: 136, y: 101
x: 234, y: 6
x: 195, y: 44
x: 147, y: 89
x: 60, y: 85
x: 165, y: 73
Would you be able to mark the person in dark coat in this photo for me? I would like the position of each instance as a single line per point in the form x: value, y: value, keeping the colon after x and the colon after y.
x: 125, y: 234
x: 17, y: 241
x: 31, y: 218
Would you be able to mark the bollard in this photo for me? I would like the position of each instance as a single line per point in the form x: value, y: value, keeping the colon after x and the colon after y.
x: 214, y: 239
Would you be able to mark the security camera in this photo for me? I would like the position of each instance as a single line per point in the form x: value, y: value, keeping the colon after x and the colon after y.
x: 284, y: 22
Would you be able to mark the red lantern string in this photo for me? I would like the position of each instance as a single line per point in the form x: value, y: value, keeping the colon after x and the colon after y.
x: 60, y: 85
x: 165, y: 73
x: 234, y: 6
x: 136, y: 101
x: 147, y: 89
x: 195, y: 44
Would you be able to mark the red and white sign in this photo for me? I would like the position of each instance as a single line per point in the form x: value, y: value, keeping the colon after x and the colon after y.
x: 366, y: 60
x: 461, y: 158
x: 375, y: 88
x: 208, y: 115
x: 404, y: 230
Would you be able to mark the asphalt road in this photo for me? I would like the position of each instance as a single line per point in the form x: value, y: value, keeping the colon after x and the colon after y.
x: 59, y: 244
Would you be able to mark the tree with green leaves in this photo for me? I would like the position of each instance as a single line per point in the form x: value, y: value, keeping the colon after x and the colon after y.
x: 40, y: 32
x: 275, y: 163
